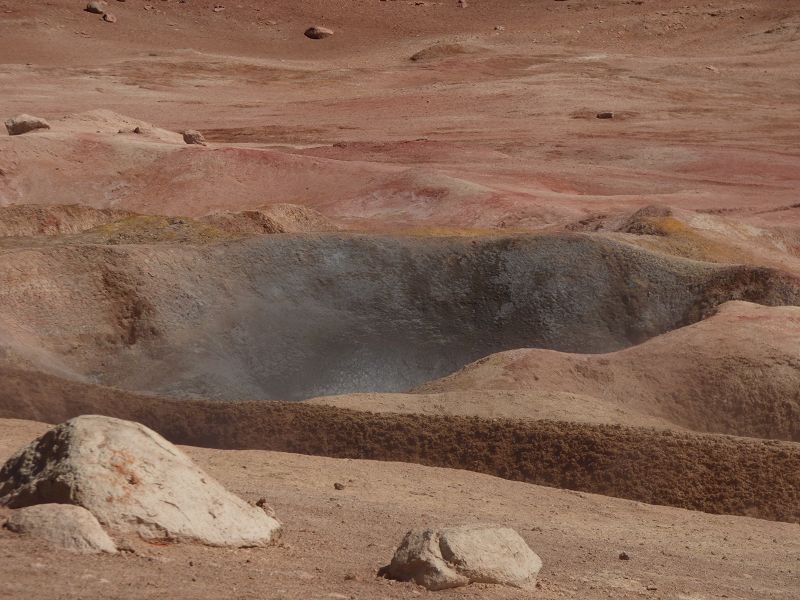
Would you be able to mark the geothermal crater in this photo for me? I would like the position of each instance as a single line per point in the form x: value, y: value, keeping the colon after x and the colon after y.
x: 295, y: 316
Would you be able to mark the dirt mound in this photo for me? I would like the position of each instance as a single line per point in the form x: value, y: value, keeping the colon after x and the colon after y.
x: 737, y: 372
x: 711, y: 473
x: 276, y: 218
x: 31, y: 220
x: 256, y: 312
x: 700, y: 236
x: 441, y: 51
x: 530, y: 403
x: 108, y: 122
x: 108, y: 226
x: 150, y: 229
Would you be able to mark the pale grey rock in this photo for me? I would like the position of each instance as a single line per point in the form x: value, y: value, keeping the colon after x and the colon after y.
x: 64, y: 526
x: 133, y: 481
x: 439, y: 559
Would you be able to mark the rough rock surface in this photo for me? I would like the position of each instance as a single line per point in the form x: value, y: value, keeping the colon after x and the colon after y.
x: 25, y: 123
x: 97, y: 7
x: 133, y: 481
x: 318, y: 33
x: 66, y: 526
x: 190, y: 136
x: 452, y: 557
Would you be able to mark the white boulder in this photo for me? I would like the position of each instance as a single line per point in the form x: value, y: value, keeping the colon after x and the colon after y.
x: 133, y: 481
x: 450, y: 557
x: 65, y: 526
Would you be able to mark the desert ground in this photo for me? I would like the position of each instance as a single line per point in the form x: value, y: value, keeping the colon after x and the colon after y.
x: 532, y: 263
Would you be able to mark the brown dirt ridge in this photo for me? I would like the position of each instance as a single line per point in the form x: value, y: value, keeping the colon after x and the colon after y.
x: 716, y: 474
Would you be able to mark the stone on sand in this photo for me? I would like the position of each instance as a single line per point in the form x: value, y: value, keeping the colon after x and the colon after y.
x: 25, y: 123
x: 318, y: 33
x: 134, y: 482
x: 97, y: 7
x: 65, y: 526
x: 439, y: 559
x: 191, y: 136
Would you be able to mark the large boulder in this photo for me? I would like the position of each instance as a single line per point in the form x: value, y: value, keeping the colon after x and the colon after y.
x: 454, y: 556
x: 133, y: 481
x: 25, y: 123
x: 65, y: 526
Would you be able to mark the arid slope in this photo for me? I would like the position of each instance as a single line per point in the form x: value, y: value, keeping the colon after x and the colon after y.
x: 335, y: 541
x: 736, y: 372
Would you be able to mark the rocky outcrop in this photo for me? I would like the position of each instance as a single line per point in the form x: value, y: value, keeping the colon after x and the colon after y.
x: 193, y: 137
x: 64, y: 526
x: 133, y: 481
x: 97, y: 7
x: 318, y: 33
x: 25, y: 123
x: 451, y: 557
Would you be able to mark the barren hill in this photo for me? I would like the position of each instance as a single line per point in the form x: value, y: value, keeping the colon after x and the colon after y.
x: 521, y: 244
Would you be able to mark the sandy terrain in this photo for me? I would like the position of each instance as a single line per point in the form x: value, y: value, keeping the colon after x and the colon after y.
x: 336, y: 540
x: 502, y: 135
x: 420, y: 228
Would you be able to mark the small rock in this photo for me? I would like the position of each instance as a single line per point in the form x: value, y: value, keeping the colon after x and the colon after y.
x: 338, y: 486
x: 109, y: 18
x: 605, y: 115
x: 318, y: 33
x: 263, y: 505
x: 439, y: 559
x: 66, y: 526
x: 190, y: 136
x: 25, y: 123
x: 624, y: 556
x: 97, y: 7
